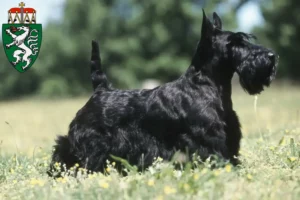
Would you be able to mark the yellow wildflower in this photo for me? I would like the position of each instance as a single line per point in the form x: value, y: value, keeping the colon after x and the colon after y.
x: 186, y: 187
x: 169, y: 190
x: 217, y: 172
x: 34, y: 181
x: 292, y: 159
x: 228, y: 168
x: 108, y: 169
x: 160, y: 197
x: 90, y: 176
x: 56, y: 164
x: 151, y: 182
x: 282, y: 142
x: 204, y: 171
x: 81, y: 169
x: 287, y: 131
x: 249, y: 177
x: 104, y: 185
x: 159, y: 159
x: 196, y: 177
x: 61, y: 180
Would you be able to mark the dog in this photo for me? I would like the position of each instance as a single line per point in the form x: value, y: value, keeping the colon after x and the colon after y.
x: 193, y: 113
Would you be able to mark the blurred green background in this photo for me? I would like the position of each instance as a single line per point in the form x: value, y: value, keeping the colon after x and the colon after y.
x: 141, y: 40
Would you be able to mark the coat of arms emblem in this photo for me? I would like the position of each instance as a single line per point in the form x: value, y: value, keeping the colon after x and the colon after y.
x: 22, y: 37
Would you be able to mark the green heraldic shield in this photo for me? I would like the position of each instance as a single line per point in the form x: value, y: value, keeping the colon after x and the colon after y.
x: 22, y: 37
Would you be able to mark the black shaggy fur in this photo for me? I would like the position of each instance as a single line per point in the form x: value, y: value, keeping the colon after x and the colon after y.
x: 192, y: 113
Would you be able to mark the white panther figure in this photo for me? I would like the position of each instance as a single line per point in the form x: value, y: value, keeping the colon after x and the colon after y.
x: 18, y: 40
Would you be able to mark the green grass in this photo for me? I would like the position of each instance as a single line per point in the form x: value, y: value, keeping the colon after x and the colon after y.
x: 270, y: 154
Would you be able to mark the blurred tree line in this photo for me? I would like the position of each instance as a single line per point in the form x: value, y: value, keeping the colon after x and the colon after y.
x: 138, y: 40
x: 281, y: 32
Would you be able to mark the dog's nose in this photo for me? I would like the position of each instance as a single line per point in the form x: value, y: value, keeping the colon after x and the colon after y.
x: 271, y: 55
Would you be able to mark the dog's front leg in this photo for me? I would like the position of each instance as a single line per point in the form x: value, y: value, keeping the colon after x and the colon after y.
x: 233, y: 136
x: 211, y: 142
x: 206, y: 136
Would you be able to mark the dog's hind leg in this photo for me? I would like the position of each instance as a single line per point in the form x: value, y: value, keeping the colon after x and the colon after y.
x: 97, y: 75
x: 62, y: 155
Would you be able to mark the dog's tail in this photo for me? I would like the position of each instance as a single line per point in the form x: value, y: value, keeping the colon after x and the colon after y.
x: 62, y: 157
x: 97, y: 75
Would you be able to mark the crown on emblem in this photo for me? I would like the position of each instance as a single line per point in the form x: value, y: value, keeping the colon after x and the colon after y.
x: 22, y: 15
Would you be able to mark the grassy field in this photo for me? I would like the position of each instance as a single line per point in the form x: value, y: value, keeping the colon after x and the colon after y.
x: 270, y: 153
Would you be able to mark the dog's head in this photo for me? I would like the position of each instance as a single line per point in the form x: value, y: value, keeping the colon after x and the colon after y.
x: 231, y: 52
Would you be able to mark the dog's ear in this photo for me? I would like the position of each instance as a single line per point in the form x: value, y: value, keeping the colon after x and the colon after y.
x: 217, y: 21
x: 207, y: 28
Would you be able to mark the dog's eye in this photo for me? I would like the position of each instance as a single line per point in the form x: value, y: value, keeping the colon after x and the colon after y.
x: 240, y: 37
x: 236, y: 38
x: 235, y: 41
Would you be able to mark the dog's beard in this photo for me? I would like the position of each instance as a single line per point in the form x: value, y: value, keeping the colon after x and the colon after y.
x: 253, y: 78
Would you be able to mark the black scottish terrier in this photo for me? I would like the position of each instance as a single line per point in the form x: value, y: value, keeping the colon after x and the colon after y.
x: 193, y: 113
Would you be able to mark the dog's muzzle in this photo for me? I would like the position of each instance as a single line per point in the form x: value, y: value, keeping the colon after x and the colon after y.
x: 273, y: 66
